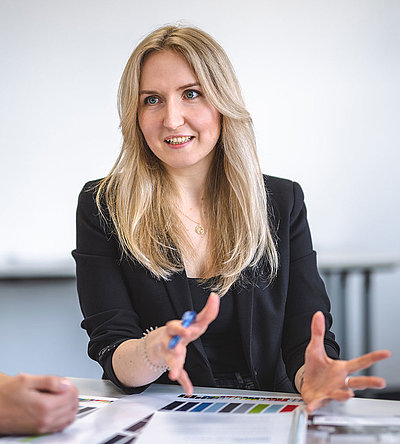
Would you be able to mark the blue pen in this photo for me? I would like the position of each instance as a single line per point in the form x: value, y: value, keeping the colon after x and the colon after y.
x: 187, y: 318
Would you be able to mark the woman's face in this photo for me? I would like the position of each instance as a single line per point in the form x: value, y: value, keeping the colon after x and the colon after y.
x: 179, y: 124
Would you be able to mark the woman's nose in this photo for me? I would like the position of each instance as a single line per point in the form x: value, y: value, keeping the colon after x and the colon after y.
x: 173, y: 117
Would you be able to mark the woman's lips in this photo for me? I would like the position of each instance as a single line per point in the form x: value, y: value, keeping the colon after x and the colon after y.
x: 178, y: 141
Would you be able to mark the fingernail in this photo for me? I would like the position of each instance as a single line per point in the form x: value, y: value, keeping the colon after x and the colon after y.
x: 65, y: 383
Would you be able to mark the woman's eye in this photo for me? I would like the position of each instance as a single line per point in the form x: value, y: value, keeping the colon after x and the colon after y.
x: 191, y: 94
x: 151, y: 100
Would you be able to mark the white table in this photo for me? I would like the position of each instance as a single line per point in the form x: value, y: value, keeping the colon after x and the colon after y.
x: 357, y: 407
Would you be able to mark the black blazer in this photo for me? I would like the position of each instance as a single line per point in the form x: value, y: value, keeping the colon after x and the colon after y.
x: 120, y: 299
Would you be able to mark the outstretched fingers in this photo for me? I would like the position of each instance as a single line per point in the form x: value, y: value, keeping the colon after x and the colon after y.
x: 175, y: 358
x: 367, y: 360
x: 326, y: 379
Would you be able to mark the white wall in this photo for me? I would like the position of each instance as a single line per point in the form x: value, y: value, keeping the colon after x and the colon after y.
x: 320, y: 77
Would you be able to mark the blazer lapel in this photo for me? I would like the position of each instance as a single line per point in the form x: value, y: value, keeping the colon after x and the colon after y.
x: 244, y: 301
x: 179, y: 295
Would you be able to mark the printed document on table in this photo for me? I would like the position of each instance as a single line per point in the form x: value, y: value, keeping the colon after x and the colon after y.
x: 200, y: 428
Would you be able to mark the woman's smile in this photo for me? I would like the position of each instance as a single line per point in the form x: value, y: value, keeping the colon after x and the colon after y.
x: 178, y: 141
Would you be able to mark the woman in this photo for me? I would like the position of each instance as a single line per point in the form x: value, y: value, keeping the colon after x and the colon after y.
x: 185, y: 211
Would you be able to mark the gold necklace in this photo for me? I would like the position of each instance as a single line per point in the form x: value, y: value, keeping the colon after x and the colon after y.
x: 199, y: 229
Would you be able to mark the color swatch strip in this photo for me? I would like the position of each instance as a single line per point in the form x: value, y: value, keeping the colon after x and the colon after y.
x: 241, y: 398
x: 228, y: 407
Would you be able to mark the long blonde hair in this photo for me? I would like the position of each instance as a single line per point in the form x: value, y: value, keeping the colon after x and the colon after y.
x: 138, y: 192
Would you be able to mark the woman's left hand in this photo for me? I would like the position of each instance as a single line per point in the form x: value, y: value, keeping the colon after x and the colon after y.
x: 324, y: 379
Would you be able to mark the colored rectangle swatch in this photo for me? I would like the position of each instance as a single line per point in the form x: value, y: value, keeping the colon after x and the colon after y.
x: 258, y: 408
x: 215, y: 407
x: 231, y: 406
x: 115, y: 439
x: 135, y: 427
x: 202, y: 406
x: 173, y: 405
x: 85, y: 410
x: 288, y: 408
x: 243, y: 408
x: 187, y: 406
x: 274, y: 408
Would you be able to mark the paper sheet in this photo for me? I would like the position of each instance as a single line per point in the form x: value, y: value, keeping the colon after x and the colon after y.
x: 353, y: 429
x: 178, y: 428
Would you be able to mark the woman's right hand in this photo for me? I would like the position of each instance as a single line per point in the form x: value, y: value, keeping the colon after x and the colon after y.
x: 158, y: 342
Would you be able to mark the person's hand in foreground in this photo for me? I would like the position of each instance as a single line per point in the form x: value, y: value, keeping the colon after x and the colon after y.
x: 36, y: 404
x: 326, y: 379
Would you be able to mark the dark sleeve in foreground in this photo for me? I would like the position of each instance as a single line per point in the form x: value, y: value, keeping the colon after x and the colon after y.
x: 109, y: 317
x: 305, y: 293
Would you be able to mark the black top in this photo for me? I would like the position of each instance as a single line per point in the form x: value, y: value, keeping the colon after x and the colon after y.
x: 221, y: 341
x: 120, y: 299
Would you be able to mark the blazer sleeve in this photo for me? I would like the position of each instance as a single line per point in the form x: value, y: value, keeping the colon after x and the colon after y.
x: 109, y: 317
x: 306, y: 292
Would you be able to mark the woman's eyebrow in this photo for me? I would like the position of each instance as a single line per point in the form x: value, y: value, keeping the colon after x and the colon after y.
x: 188, y: 85
x: 146, y: 91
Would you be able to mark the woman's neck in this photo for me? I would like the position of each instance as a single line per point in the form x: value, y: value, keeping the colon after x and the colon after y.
x: 190, y: 186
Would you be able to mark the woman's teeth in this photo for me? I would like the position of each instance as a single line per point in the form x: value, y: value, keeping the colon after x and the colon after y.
x: 178, y: 140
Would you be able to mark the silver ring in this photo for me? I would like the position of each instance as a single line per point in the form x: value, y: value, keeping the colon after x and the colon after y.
x: 346, y: 382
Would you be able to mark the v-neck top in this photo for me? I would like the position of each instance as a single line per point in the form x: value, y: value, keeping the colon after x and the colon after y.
x: 221, y: 341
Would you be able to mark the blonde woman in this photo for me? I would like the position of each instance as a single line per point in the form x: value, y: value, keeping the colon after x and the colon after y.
x: 186, y: 221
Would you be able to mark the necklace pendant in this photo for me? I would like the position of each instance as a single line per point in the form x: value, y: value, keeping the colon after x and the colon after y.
x: 199, y: 230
